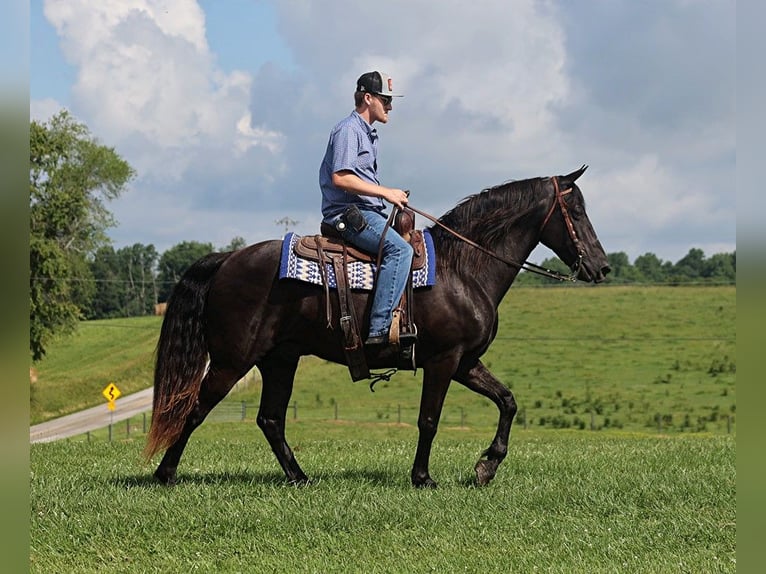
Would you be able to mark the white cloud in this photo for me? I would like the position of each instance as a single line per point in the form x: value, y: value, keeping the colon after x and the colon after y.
x: 148, y: 83
x: 494, y: 90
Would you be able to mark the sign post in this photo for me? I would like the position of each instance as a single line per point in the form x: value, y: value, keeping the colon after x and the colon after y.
x: 111, y: 393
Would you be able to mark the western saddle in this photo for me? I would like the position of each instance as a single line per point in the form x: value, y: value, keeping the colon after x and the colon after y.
x: 329, y: 248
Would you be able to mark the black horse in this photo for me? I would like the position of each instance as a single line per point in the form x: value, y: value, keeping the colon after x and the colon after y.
x: 230, y: 312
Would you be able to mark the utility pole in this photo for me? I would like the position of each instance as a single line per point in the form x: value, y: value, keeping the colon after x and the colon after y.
x: 287, y: 222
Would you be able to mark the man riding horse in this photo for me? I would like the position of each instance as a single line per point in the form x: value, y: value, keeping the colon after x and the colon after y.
x: 352, y: 199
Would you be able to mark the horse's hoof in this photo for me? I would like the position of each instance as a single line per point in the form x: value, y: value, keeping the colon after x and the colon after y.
x: 427, y: 482
x: 300, y: 481
x: 165, y: 478
x: 485, y: 472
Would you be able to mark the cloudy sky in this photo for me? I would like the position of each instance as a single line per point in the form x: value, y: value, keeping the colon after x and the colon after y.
x: 224, y: 108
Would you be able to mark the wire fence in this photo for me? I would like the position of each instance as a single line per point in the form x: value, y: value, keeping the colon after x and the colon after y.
x: 456, y: 417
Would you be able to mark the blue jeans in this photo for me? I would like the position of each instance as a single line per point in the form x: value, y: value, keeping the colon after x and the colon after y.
x: 394, y: 269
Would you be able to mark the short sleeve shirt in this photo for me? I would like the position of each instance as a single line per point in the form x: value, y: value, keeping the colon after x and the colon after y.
x: 353, y: 146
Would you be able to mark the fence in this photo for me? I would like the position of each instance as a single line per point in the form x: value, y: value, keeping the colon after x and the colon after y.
x: 456, y: 416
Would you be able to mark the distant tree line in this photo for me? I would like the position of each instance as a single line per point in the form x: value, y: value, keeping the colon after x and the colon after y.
x: 694, y: 267
x: 129, y: 282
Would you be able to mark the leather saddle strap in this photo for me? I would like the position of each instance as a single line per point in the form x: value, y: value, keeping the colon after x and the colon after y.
x: 325, y: 281
x: 344, y: 295
x: 389, y: 223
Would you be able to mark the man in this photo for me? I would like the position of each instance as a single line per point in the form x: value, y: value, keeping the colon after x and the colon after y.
x: 353, y: 199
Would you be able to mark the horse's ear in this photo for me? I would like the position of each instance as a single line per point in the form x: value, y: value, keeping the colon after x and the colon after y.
x: 566, y: 181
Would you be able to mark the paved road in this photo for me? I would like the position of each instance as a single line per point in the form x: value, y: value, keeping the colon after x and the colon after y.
x: 92, y: 419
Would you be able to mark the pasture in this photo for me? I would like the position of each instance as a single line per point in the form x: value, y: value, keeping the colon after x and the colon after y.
x: 563, y: 501
x: 579, y: 357
x: 631, y: 497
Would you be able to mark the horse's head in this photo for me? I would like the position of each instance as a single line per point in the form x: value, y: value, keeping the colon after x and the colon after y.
x: 569, y: 233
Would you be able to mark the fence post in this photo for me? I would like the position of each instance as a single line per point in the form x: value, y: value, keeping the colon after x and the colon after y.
x: 592, y: 421
x: 336, y: 410
x: 244, y: 410
x: 144, y: 423
x: 399, y: 413
x: 728, y: 424
x: 127, y: 427
x: 110, y: 432
x: 295, y: 410
x: 462, y: 417
x: 88, y: 435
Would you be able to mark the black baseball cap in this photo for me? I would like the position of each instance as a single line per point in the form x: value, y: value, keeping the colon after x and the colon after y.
x: 376, y: 83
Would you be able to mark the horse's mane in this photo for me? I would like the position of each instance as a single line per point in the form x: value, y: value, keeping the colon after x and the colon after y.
x: 486, y: 217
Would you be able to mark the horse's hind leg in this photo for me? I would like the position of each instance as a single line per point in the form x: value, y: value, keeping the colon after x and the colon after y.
x: 215, y: 386
x: 278, y: 373
x: 480, y: 380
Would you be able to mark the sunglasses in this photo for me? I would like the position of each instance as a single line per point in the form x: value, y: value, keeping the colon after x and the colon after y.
x: 385, y: 100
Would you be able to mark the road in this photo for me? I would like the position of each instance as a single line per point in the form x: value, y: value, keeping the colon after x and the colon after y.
x: 92, y: 419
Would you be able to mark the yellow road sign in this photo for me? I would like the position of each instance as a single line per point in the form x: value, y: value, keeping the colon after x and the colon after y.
x: 110, y: 405
x: 111, y: 393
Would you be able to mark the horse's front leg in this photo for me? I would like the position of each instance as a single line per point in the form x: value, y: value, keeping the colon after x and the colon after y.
x: 436, y: 380
x: 480, y: 380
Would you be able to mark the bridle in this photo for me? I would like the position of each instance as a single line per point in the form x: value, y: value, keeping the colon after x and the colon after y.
x: 558, y: 199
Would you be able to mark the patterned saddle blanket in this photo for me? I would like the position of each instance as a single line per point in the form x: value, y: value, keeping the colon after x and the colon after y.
x: 299, y: 261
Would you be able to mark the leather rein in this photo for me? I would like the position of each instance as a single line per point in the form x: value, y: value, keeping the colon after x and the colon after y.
x: 527, y: 266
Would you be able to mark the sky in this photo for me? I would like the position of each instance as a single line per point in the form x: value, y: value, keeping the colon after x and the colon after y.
x: 224, y: 108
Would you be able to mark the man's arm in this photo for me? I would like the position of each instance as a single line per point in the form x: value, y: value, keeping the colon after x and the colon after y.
x: 352, y: 183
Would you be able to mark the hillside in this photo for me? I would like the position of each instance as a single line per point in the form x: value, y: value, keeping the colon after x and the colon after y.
x: 575, y: 357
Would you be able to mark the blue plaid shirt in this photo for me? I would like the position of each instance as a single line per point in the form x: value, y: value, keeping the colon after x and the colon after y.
x: 353, y: 146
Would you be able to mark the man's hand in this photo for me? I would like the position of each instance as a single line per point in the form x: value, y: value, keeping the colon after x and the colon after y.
x: 397, y: 197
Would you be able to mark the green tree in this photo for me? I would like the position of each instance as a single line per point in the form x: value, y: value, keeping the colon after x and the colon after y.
x: 108, y: 292
x: 721, y: 267
x: 137, y: 264
x: 235, y: 244
x: 622, y: 270
x: 71, y: 176
x: 125, y: 282
x: 690, y: 266
x: 649, y: 266
x: 175, y: 261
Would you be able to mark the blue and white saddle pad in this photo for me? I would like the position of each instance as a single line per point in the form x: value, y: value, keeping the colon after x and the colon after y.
x: 361, y: 275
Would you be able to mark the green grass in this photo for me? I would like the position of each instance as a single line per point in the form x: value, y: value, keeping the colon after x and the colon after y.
x: 563, y: 501
x: 614, y: 357
x: 610, y: 357
x: 76, y: 369
x: 627, y: 498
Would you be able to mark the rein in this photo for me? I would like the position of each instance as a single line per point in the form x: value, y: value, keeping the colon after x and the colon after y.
x: 526, y: 266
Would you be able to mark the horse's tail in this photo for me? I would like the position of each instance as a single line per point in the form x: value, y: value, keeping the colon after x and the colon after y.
x: 181, y: 354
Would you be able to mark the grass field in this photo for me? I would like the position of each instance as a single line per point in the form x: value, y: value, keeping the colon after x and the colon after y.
x: 640, y: 495
x: 631, y: 358
x: 563, y: 501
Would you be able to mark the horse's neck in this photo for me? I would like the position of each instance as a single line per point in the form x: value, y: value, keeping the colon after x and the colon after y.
x: 516, y: 249
x: 493, y: 275
x: 512, y: 232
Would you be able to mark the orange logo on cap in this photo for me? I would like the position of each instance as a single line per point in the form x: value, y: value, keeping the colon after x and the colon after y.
x: 390, y: 85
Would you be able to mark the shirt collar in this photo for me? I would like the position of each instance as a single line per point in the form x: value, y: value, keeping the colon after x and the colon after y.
x: 371, y: 131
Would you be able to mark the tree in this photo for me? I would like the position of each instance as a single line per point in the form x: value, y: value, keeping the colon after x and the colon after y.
x: 690, y: 266
x: 71, y: 176
x: 107, y: 298
x: 649, y: 266
x: 125, y: 282
x: 622, y: 271
x: 235, y: 244
x: 721, y: 267
x: 175, y: 261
